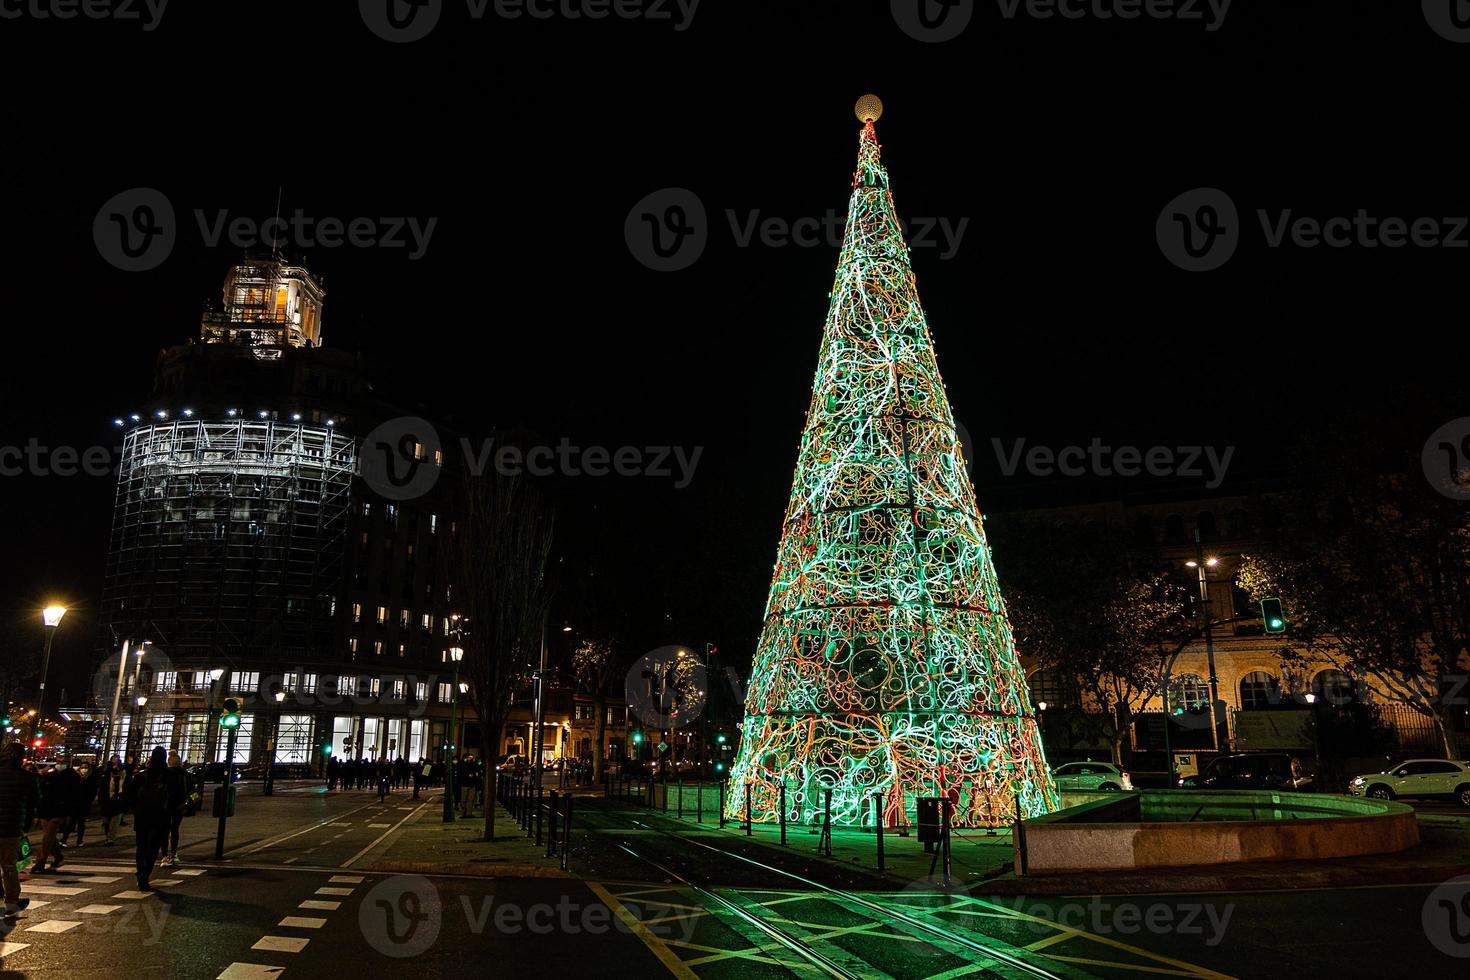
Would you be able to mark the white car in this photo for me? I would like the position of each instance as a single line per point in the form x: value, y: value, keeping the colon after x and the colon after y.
x: 1417, y: 778
x: 1091, y: 775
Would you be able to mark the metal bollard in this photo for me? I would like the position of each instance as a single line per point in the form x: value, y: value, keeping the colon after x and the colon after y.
x: 878, y: 826
x: 680, y: 813
x: 721, y: 786
x: 699, y: 802
x: 783, y: 812
x: 566, y: 831
x: 538, y: 814
x: 551, y: 825
x: 749, y: 827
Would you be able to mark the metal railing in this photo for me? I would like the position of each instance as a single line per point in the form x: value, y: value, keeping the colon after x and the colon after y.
x: 545, y: 817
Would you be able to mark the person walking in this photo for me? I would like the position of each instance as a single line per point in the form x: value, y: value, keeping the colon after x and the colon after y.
x: 177, y: 782
x: 20, y: 798
x: 59, y: 789
x: 87, y: 781
x: 149, y: 801
x: 110, y: 796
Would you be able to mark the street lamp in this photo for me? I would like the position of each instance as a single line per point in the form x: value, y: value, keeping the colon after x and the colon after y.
x: 1201, y: 563
x: 456, y: 654
x: 50, y: 620
x: 270, y: 759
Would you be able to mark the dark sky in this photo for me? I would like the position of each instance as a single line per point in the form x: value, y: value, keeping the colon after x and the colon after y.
x: 1057, y: 319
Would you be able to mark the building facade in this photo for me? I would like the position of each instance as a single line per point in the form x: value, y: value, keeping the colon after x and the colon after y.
x: 249, y: 558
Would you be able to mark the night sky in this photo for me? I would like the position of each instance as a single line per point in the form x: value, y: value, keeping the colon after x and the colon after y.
x: 1057, y: 319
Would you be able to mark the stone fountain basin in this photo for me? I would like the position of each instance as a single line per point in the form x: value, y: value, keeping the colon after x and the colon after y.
x: 1182, y: 828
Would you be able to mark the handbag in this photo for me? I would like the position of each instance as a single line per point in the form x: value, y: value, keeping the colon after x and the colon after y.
x: 25, y: 854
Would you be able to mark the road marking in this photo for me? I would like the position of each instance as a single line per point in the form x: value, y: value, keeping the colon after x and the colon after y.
x: 165, y: 881
x: 99, y: 868
x: 345, y: 880
x: 318, y: 905
x: 665, y: 956
x: 289, y: 860
x: 378, y: 826
x: 191, y: 872
x: 281, y: 944
x: 96, y: 909
x: 52, y: 889
x: 301, y: 922
x: 134, y: 894
x: 7, y: 948
x: 334, y: 891
x: 384, y: 836
x: 250, y: 971
x: 55, y: 925
x: 272, y: 841
x: 92, y: 880
x: 339, y: 825
x: 37, y: 904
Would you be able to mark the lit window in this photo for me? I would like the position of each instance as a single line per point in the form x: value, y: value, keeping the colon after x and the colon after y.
x: 382, y: 615
x: 438, y: 457
x: 288, y: 683
x: 420, y: 692
x: 398, y: 688
x: 427, y: 623
x: 165, y: 681
x: 347, y: 685
x: 403, y: 649
x: 245, y: 681
x: 357, y: 612
x: 352, y: 644
x: 367, y: 508
x: 443, y: 693
x: 403, y: 619
x: 377, y: 648
x: 433, y: 523
x: 308, y: 683
x: 375, y: 686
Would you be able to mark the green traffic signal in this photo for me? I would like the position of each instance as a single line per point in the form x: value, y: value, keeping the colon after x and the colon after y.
x: 1272, y: 616
x: 229, y: 715
x: 326, y: 750
x: 637, y: 738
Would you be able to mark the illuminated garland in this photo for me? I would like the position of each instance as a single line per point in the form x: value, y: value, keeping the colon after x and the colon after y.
x: 886, y: 664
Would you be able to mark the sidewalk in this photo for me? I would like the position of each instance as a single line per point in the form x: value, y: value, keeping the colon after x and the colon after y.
x: 984, y: 865
x: 427, y: 845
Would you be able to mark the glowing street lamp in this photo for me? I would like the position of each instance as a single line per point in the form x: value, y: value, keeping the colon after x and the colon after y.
x: 50, y: 620
x: 456, y: 654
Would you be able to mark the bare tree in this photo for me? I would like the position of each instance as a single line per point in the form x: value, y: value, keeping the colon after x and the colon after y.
x: 501, y: 552
x: 595, y: 666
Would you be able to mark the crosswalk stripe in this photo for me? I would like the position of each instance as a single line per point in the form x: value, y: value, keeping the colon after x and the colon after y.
x: 301, y: 922
x: 54, y: 925
x: 134, y: 894
x: 191, y: 872
x: 250, y: 971
x: 98, y: 909
x: 334, y: 891
x: 7, y: 948
x: 319, y: 905
x: 281, y: 944
x: 345, y: 879
x: 51, y: 889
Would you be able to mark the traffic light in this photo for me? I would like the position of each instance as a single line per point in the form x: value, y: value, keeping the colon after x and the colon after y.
x: 1272, y: 616
x: 637, y: 738
x: 326, y: 750
x: 39, y: 742
x: 720, y: 738
x: 229, y: 715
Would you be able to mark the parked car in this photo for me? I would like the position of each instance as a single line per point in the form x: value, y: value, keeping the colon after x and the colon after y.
x: 1092, y: 775
x: 1417, y: 779
x: 1255, y: 770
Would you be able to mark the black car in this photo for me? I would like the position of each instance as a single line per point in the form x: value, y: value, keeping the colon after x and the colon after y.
x: 1257, y: 770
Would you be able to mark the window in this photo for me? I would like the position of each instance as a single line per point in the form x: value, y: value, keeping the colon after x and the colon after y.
x: 1189, y: 692
x: 398, y: 689
x: 242, y: 742
x: 308, y: 683
x: 426, y: 623
x: 438, y: 457
x: 375, y: 686
x: 165, y: 681
x: 382, y: 615
x: 403, y: 649
x: 433, y: 523
x: 420, y: 692
x: 377, y: 648
x: 347, y: 685
x: 352, y: 645
x: 357, y: 612
x: 1334, y: 687
x: 1052, y: 686
x: 390, y: 513
x: 288, y: 683
x: 244, y: 682
x: 404, y: 619
x: 367, y: 508
x: 443, y: 693
x: 293, y: 739
x: 1259, y: 689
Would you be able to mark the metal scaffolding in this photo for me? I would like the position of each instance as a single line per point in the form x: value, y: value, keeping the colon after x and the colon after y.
x: 228, y: 537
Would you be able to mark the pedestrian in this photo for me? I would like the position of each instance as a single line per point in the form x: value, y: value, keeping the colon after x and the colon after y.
x: 177, y: 782
x: 82, y: 808
x: 384, y: 777
x: 20, y: 798
x: 129, y: 773
x: 59, y: 789
x: 110, y: 796
x: 150, y: 814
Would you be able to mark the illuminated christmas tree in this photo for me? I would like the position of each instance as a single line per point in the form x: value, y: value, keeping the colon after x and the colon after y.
x: 886, y: 664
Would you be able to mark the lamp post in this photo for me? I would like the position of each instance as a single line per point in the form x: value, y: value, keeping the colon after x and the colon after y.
x: 1201, y: 563
x: 456, y: 654
x: 51, y: 620
x: 136, y: 725
x: 270, y: 759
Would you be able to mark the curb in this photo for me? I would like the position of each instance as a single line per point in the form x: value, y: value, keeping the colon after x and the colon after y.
x: 468, y: 869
